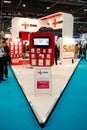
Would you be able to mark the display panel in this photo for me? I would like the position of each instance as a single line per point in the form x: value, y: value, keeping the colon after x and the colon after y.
x: 41, y: 49
x: 41, y: 41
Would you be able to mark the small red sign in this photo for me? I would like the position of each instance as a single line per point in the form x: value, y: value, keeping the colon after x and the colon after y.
x: 42, y: 84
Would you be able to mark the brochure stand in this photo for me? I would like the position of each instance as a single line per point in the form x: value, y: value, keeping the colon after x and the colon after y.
x: 42, y: 81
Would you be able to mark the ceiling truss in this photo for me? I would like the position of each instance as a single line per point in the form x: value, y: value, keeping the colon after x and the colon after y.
x: 41, y: 8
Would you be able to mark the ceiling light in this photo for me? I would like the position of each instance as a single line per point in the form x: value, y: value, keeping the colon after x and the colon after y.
x: 24, y: 5
x: 47, y: 7
x: 19, y: 13
x: 85, y: 10
x: 7, y: 1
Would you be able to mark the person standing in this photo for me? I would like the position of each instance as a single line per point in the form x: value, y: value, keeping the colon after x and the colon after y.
x: 84, y: 53
x: 7, y: 58
x: 1, y: 62
x: 25, y: 50
x: 80, y: 51
x: 56, y: 53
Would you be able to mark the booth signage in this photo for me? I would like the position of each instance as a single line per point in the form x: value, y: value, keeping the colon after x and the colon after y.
x: 42, y: 78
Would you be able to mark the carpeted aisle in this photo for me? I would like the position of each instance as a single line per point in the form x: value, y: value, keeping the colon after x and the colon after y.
x: 70, y: 112
x: 15, y: 113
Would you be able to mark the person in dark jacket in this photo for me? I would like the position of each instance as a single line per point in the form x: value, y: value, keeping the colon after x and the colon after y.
x: 80, y: 52
x: 56, y: 54
x: 2, y: 53
x: 6, y: 58
x: 84, y: 53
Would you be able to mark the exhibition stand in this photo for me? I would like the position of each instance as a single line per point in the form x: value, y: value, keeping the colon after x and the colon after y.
x: 45, y: 83
x: 23, y: 27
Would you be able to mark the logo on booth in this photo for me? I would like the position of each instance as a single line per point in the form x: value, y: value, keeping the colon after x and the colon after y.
x: 44, y: 72
x: 40, y: 72
x: 25, y: 24
x: 56, y: 22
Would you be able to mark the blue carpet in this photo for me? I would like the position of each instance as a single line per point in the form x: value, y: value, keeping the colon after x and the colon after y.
x: 70, y: 112
x: 15, y: 113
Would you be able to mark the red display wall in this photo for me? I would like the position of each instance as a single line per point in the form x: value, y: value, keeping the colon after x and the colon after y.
x: 16, y: 48
x: 42, y: 49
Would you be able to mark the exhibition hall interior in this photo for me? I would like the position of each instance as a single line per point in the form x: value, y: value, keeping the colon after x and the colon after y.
x: 43, y: 64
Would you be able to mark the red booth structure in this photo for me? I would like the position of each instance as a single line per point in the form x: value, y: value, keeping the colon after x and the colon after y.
x: 41, y: 49
x: 16, y: 51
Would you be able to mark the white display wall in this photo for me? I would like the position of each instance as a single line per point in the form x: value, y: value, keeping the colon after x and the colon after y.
x: 56, y: 21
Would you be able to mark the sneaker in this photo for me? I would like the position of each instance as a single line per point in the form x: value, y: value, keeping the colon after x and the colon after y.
x: 6, y: 76
x: 3, y: 80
